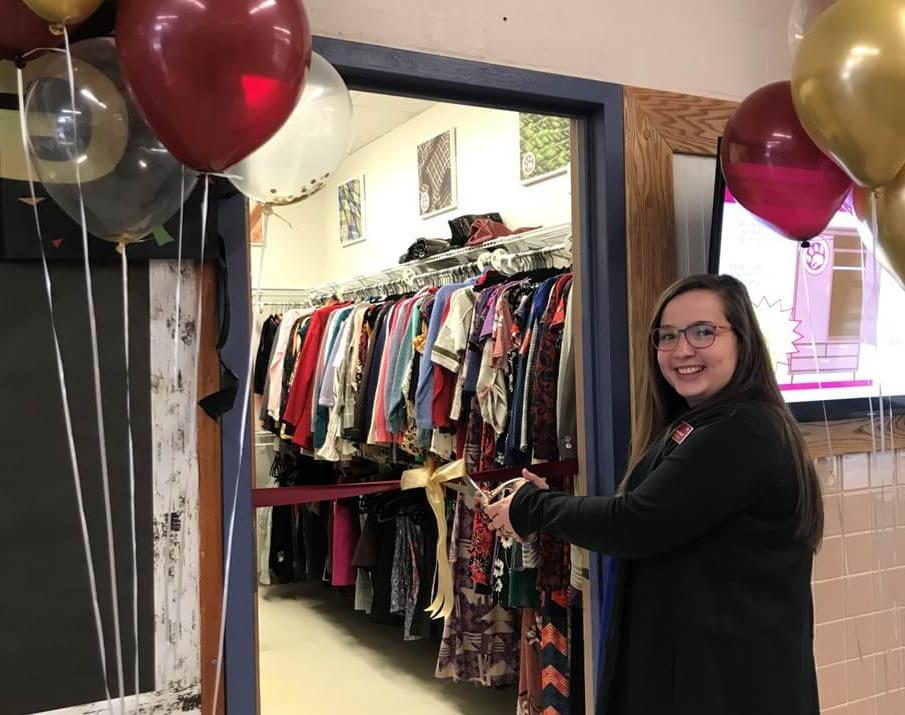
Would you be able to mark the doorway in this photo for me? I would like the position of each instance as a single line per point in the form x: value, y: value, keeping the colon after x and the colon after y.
x: 598, y: 227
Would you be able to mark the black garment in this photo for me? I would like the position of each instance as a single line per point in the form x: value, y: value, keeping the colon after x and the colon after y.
x: 364, y: 406
x: 576, y: 660
x: 424, y: 247
x: 712, y: 611
x: 296, y: 340
x: 283, y: 543
x: 265, y: 347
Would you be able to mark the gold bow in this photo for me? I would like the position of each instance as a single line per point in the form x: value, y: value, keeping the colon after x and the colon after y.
x: 431, y: 479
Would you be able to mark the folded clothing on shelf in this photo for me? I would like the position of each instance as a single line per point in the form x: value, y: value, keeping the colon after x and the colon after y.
x: 485, y: 229
x: 461, y: 226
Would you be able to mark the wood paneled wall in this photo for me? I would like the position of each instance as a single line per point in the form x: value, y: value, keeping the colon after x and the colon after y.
x: 659, y: 125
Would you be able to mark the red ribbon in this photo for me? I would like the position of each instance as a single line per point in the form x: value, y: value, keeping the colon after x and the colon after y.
x: 285, y: 496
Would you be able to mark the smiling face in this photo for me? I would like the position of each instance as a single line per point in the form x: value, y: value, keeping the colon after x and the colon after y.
x: 698, y: 374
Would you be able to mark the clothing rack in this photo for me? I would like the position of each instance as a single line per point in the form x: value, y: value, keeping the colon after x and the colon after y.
x: 506, y: 263
x: 529, y: 248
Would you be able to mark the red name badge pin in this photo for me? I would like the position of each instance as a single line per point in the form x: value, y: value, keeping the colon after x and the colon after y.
x: 681, y: 433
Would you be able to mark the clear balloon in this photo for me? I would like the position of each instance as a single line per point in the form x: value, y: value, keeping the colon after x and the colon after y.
x: 889, y: 243
x: 131, y: 184
x: 297, y: 161
x: 804, y: 14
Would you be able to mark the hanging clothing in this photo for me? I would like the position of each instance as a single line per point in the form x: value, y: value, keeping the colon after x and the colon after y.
x: 298, y: 408
x: 425, y: 392
x: 275, y: 371
x: 265, y: 348
x: 480, y: 639
x: 450, y: 371
x: 566, y: 404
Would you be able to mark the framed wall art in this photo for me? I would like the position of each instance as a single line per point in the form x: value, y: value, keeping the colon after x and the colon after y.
x: 437, y: 174
x: 351, y: 198
x: 544, y: 146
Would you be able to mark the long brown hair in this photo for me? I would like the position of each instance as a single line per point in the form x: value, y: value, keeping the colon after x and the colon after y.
x: 658, y: 405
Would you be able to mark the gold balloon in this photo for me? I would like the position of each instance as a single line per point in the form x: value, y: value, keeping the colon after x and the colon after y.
x: 848, y: 85
x: 890, y: 222
x: 68, y: 12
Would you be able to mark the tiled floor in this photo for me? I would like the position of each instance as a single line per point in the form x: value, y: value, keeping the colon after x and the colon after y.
x: 319, y: 656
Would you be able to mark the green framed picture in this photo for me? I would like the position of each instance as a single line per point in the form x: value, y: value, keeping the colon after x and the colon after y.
x: 544, y: 146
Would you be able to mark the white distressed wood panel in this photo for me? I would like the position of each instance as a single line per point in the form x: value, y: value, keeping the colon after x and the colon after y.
x: 186, y: 701
x: 176, y: 545
x: 177, y: 636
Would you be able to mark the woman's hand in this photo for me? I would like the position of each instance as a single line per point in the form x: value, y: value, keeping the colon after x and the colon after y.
x: 537, y: 481
x: 499, y: 516
x: 499, y: 511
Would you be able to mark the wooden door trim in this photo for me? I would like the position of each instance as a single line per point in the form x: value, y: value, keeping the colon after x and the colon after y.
x: 210, y: 499
x: 658, y: 125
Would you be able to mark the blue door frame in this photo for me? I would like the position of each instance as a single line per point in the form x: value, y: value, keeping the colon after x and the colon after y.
x: 604, y: 299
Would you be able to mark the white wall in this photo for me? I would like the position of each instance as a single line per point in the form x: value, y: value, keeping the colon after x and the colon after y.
x: 722, y: 48
x: 488, y: 180
x: 295, y: 252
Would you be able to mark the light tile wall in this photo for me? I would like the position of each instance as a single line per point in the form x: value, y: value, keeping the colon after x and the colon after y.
x: 859, y: 586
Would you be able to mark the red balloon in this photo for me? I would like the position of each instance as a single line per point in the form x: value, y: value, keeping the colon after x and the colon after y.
x: 215, y: 79
x: 22, y: 31
x: 774, y: 169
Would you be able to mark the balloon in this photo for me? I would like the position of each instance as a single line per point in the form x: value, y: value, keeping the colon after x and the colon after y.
x: 214, y: 79
x: 848, y: 83
x: 131, y: 184
x: 775, y: 171
x: 297, y: 161
x: 804, y: 14
x: 68, y: 12
x: 890, y: 221
x: 22, y: 31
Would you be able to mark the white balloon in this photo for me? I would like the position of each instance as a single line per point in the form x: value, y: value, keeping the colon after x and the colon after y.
x: 804, y: 14
x: 298, y: 160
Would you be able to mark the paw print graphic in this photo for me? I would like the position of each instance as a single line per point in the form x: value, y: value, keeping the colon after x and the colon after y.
x: 816, y: 256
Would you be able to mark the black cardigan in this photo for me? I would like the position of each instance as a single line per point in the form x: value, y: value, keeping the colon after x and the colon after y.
x: 712, y: 610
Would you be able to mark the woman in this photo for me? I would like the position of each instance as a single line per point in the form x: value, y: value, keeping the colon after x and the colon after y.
x: 713, y: 531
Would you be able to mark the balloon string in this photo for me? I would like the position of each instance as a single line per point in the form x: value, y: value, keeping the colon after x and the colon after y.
x: 24, y: 56
x: 198, y: 303
x: 243, y: 431
x: 101, y: 432
x: 131, y: 456
x: 884, y: 572
x: 870, y: 401
x: 874, y: 232
x: 829, y: 437
x: 64, y: 398
x: 224, y: 175
x: 177, y: 334
x: 270, y: 211
x: 177, y: 388
x: 193, y: 417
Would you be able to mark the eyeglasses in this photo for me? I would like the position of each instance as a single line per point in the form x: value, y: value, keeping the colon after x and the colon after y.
x: 699, y: 335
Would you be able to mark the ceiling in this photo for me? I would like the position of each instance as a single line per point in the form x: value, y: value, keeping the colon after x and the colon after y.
x: 377, y: 114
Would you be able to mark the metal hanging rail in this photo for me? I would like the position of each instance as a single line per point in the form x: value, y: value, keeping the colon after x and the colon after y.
x: 463, y: 262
